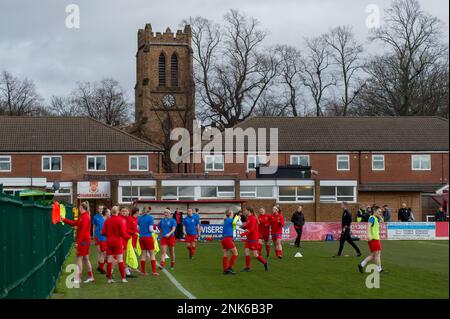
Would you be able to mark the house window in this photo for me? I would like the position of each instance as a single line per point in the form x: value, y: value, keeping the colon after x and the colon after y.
x: 296, y: 193
x: 214, y: 163
x: 421, y: 162
x: 256, y: 192
x: 178, y: 193
x: 129, y: 194
x: 138, y: 163
x: 5, y: 163
x: 300, y: 160
x: 174, y: 70
x: 378, y: 162
x: 254, y: 161
x: 343, y: 162
x: 162, y: 69
x: 51, y: 163
x: 96, y: 163
x: 217, y: 191
x: 335, y: 194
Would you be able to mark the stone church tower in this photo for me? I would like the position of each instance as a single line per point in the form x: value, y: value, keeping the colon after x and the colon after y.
x: 164, y: 91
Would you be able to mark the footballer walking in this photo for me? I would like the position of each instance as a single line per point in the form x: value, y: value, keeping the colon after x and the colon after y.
x: 264, y: 222
x: 251, y: 243
x: 191, y: 229
x: 228, y: 245
x: 374, y: 240
x: 277, y: 224
x: 168, y: 226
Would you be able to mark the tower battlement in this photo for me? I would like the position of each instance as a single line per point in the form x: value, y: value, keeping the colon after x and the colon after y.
x: 147, y: 36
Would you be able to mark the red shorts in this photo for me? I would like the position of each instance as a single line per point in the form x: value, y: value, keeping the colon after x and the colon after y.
x: 264, y: 237
x: 168, y: 241
x: 83, y: 249
x: 114, y: 250
x: 191, y: 238
x: 374, y: 245
x: 276, y: 236
x: 102, y: 245
x: 147, y: 243
x: 227, y: 243
x: 252, y: 244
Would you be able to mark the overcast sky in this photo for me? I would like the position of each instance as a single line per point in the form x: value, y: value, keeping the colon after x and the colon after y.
x: 35, y: 43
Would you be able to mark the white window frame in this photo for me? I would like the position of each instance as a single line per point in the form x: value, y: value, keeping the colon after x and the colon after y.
x: 254, y: 193
x: 373, y: 161
x: 137, y: 157
x: 50, y: 157
x: 298, y: 198
x: 420, y: 156
x: 299, y: 156
x: 214, y: 169
x: 338, y: 157
x: 96, y: 170
x: 255, y: 161
x: 334, y: 199
x: 219, y: 194
x: 139, y: 197
x: 9, y: 161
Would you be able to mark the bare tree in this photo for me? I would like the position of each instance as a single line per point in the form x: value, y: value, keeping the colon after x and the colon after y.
x: 316, y: 75
x: 404, y: 81
x: 104, y: 101
x: 18, y: 97
x: 290, y: 73
x: 346, y: 54
x: 233, y: 70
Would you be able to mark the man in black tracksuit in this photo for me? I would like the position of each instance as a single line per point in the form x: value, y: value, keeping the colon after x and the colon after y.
x: 298, y: 219
x: 345, y: 235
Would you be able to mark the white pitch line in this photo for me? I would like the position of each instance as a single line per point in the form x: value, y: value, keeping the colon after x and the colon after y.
x: 177, y: 284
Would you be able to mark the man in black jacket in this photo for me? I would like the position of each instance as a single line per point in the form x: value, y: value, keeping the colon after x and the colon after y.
x: 298, y: 219
x: 403, y: 214
x: 345, y: 235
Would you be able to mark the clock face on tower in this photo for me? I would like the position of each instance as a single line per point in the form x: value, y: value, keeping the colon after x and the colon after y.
x: 168, y: 101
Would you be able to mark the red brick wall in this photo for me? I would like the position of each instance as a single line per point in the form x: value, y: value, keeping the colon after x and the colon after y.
x: 397, y: 168
x: 74, y: 166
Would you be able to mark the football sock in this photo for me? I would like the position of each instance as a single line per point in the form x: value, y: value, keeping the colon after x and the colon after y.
x: 268, y: 250
x: 122, y: 269
x: 109, y: 270
x: 262, y: 260
x: 153, y: 262
x: 232, y: 260
x: 143, y: 266
x: 224, y: 263
x: 247, y: 261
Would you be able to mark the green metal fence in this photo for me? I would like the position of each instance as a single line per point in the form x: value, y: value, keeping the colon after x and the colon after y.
x: 33, y: 250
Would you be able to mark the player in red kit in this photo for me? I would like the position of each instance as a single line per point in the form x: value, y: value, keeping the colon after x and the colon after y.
x: 115, y: 231
x: 264, y: 222
x: 132, y: 230
x: 83, y: 224
x: 251, y: 243
x: 277, y: 224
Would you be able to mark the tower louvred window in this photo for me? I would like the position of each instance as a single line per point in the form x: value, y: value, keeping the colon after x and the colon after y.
x: 174, y: 69
x: 162, y: 70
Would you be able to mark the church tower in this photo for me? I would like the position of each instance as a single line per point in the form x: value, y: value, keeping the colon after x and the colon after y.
x: 164, y: 91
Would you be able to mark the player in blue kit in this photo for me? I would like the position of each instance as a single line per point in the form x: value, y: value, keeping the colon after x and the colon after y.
x: 228, y: 245
x: 191, y: 229
x: 167, y: 225
x: 145, y: 224
x: 97, y: 225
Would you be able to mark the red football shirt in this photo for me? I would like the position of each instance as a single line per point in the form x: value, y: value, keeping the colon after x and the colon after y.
x: 251, y: 228
x: 115, y: 231
x: 264, y: 222
x: 277, y: 223
x: 84, y: 227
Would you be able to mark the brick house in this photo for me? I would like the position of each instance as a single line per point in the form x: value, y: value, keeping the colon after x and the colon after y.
x: 89, y: 160
x: 366, y: 160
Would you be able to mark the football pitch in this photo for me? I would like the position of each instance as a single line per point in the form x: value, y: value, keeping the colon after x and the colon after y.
x: 416, y: 269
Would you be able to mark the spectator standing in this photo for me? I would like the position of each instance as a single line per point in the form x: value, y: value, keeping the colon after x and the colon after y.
x: 386, y: 214
x: 360, y: 214
x: 403, y: 213
x: 440, y: 215
x: 411, y: 217
x: 178, y: 216
x: 346, y: 235
x: 298, y: 219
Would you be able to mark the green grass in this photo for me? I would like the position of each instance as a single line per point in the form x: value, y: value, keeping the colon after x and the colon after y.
x: 417, y: 269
